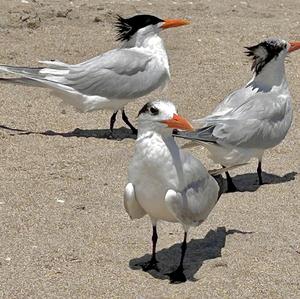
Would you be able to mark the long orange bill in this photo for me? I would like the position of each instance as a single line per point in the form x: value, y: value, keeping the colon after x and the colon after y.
x: 174, y: 23
x: 294, y: 45
x: 178, y: 122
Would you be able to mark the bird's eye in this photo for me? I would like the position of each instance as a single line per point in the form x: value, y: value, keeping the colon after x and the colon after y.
x: 154, y: 111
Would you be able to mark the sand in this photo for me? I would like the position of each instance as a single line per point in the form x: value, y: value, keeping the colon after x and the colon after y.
x: 63, y: 230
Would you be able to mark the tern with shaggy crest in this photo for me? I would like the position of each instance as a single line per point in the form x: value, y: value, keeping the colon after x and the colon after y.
x: 251, y: 119
x: 165, y: 182
x: 113, y: 79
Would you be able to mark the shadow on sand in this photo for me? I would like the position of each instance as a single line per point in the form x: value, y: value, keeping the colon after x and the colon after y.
x: 198, y: 251
x: 248, y: 182
x: 119, y: 134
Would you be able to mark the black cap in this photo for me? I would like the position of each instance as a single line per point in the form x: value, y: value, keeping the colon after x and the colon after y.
x: 128, y: 27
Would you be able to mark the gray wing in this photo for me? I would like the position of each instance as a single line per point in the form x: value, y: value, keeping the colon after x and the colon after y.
x: 231, y: 102
x: 122, y: 73
x: 194, y: 202
x: 118, y: 74
x: 193, y: 169
x: 261, y: 121
x: 235, y: 99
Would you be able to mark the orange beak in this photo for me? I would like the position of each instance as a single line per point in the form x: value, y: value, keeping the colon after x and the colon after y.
x: 294, y: 45
x: 178, y: 122
x: 174, y: 23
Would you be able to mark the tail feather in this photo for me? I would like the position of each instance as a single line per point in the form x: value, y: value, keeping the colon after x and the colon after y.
x: 55, y: 64
x: 55, y: 86
x: 203, y: 134
x: 22, y: 81
x: 50, y: 76
x: 53, y: 71
x: 19, y: 70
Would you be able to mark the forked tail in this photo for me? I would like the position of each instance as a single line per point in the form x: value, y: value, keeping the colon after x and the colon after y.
x: 203, y: 134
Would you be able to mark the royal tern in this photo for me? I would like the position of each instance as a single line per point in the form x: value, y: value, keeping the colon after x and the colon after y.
x: 165, y: 182
x: 113, y: 79
x: 254, y: 118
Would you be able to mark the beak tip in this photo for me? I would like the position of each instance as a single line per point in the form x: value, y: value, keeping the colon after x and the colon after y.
x: 179, y: 123
x: 169, y: 23
x: 294, y: 45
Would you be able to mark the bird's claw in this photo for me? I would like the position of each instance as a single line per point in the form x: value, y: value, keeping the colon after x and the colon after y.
x: 134, y: 131
x: 150, y: 265
x: 177, y: 276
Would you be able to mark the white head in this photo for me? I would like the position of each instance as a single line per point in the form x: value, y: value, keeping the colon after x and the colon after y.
x: 161, y: 117
x: 139, y: 26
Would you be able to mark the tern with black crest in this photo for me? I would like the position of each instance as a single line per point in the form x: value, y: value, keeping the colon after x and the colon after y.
x: 113, y: 79
x: 165, y: 182
x: 254, y: 118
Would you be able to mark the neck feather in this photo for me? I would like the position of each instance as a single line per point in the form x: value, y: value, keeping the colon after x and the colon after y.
x: 272, y: 74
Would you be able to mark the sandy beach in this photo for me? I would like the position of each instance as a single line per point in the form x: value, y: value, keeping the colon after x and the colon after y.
x: 64, y: 232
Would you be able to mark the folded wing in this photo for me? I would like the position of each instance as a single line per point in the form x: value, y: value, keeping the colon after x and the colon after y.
x: 262, y: 121
x: 198, y: 196
x: 133, y: 208
x: 117, y: 74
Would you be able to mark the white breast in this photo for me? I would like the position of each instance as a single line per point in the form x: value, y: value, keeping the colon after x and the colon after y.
x: 152, y: 172
x: 159, y: 166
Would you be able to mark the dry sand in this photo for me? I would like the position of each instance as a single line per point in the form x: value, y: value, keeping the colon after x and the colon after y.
x: 63, y: 230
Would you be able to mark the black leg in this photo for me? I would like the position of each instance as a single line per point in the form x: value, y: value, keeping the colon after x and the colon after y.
x: 178, y: 276
x: 183, y: 250
x: 112, y: 122
x: 259, y: 172
x: 230, y: 185
x: 152, y: 264
x: 127, y: 122
x: 154, y: 242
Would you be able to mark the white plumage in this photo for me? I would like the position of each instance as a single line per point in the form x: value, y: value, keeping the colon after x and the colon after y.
x: 254, y: 118
x: 113, y: 79
x: 164, y: 181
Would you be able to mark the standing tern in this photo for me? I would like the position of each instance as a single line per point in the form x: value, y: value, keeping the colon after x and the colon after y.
x: 254, y: 118
x: 166, y: 182
x: 113, y: 79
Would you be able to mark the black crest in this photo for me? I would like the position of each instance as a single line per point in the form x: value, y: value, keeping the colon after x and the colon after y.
x: 149, y: 108
x: 264, y: 52
x: 126, y: 28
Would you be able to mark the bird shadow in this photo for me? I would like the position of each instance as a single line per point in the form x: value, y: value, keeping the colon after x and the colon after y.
x: 119, y: 134
x: 248, y: 182
x: 198, y: 251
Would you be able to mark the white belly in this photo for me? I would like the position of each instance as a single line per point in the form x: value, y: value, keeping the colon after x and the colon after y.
x: 229, y: 156
x: 151, y: 196
x: 85, y: 103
